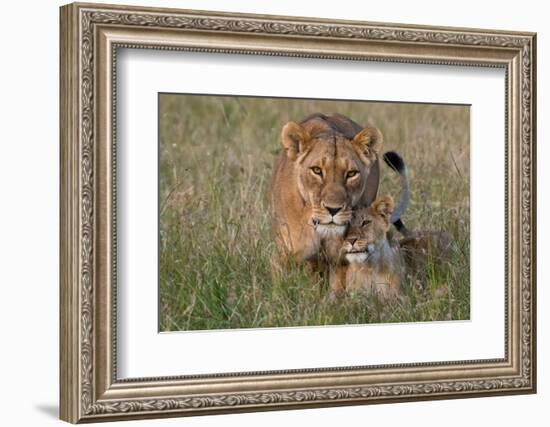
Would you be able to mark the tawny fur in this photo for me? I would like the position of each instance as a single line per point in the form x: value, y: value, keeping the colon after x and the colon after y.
x: 372, y: 263
x: 418, y: 247
x: 328, y: 162
x: 368, y: 263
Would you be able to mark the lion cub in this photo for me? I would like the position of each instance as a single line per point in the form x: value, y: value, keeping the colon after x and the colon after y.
x: 368, y: 262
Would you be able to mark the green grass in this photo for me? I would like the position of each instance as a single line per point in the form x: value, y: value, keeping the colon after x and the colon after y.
x: 216, y: 158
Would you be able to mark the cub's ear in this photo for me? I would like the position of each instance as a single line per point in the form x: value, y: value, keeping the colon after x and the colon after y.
x: 368, y: 144
x: 295, y: 139
x: 384, y: 206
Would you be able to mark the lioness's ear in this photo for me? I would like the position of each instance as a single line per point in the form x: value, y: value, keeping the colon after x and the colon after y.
x: 384, y: 206
x: 368, y: 144
x: 295, y: 139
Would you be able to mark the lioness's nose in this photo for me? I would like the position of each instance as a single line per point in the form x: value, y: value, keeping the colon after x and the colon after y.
x: 333, y: 211
x: 352, y: 240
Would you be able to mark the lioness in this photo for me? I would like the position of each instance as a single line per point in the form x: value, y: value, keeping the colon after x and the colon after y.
x: 328, y: 167
x: 369, y: 263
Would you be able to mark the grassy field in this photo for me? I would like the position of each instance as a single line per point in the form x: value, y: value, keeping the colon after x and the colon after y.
x: 216, y: 158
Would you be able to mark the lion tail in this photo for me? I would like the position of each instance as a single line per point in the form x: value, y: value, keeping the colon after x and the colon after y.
x: 396, y: 162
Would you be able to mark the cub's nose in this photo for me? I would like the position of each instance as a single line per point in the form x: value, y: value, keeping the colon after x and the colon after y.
x: 333, y: 211
x: 352, y: 241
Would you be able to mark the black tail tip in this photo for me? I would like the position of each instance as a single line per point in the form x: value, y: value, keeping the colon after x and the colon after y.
x: 402, y: 228
x: 399, y: 225
x: 394, y: 161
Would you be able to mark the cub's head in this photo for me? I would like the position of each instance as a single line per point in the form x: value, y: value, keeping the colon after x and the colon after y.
x: 367, y: 234
x: 331, y: 167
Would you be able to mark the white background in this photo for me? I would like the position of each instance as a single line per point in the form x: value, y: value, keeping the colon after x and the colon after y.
x: 143, y: 352
x: 29, y: 171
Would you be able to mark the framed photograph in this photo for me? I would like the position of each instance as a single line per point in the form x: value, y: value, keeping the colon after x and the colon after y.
x: 265, y: 212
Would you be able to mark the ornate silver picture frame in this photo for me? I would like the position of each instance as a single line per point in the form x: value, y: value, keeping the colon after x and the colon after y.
x: 91, y: 36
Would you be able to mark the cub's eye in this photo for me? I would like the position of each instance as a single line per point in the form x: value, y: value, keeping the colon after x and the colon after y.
x: 351, y: 174
x: 317, y: 170
x: 365, y: 222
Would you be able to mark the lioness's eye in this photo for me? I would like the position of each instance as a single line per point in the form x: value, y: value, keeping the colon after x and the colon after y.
x: 365, y: 222
x: 351, y: 174
x: 317, y: 170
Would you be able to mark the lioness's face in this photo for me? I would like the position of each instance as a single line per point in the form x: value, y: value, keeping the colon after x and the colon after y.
x: 332, y: 179
x: 368, y: 230
x: 332, y: 172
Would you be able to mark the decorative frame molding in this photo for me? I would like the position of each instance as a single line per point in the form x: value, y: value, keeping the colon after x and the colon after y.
x: 90, y: 36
